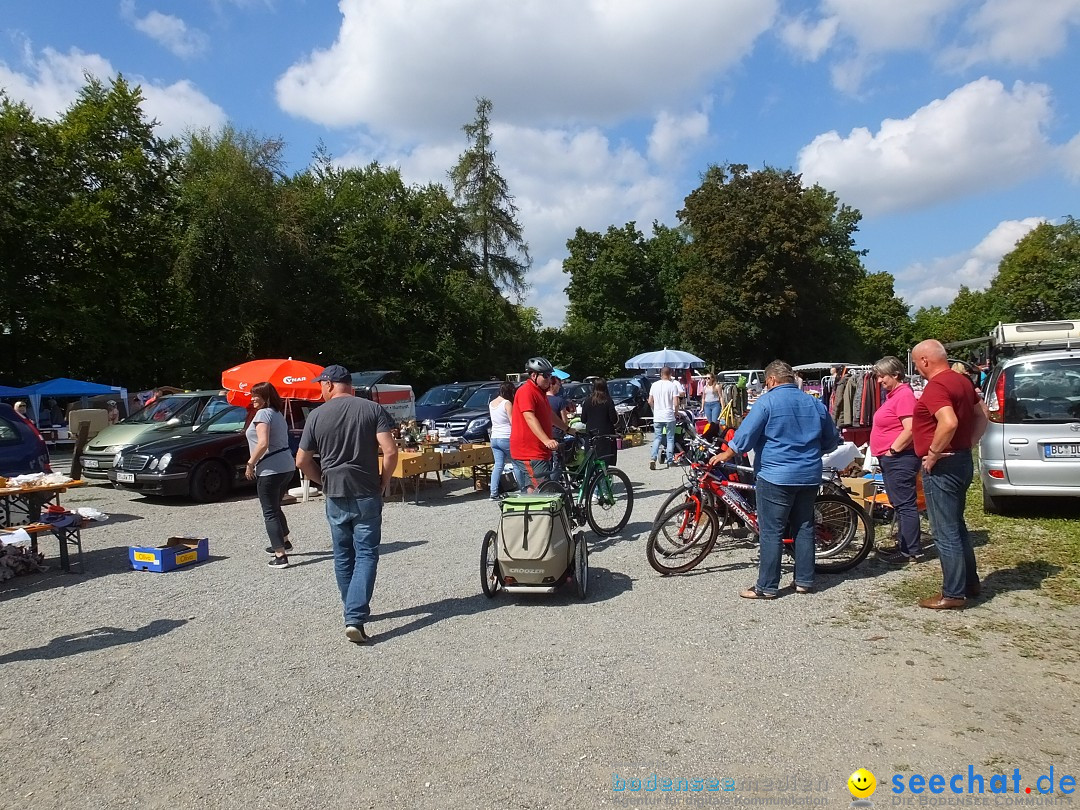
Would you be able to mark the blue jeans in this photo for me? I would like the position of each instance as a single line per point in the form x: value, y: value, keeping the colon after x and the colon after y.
x: 712, y: 411
x: 500, y: 449
x: 899, y: 474
x: 946, y: 496
x: 356, y: 531
x: 777, y: 508
x: 658, y: 428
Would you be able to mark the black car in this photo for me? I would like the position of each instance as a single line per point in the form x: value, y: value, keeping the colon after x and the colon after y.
x: 205, y: 463
x: 631, y: 397
x: 444, y: 398
x: 472, y: 422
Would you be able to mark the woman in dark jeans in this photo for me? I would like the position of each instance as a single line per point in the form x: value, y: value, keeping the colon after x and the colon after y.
x: 598, y: 414
x: 271, y: 466
x: 890, y: 443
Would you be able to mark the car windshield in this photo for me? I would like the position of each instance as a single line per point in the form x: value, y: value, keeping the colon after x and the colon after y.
x: 481, y: 398
x: 1045, y: 391
x: 162, y: 410
x: 620, y: 389
x: 212, y: 409
x: 229, y: 419
x: 442, y: 395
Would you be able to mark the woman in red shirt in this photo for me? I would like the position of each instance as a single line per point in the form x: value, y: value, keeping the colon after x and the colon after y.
x: 890, y: 443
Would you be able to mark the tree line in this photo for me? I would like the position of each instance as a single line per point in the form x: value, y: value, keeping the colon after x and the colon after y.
x: 138, y: 260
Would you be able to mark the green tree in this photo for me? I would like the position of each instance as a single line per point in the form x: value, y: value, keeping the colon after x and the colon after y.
x: 926, y: 323
x: 773, y: 266
x: 482, y: 193
x: 623, y: 293
x: 972, y: 314
x: 1040, y: 279
x: 879, y: 320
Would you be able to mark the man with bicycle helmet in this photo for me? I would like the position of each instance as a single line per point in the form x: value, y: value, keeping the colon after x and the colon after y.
x: 531, y: 444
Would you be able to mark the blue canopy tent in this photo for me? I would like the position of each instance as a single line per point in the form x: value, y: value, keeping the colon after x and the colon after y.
x: 7, y: 392
x: 64, y: 387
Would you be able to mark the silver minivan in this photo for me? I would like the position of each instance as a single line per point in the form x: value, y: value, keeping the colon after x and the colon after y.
x: 1032, y: 443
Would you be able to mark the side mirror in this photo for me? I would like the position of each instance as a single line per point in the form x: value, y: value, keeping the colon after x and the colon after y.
x: 174, y: 421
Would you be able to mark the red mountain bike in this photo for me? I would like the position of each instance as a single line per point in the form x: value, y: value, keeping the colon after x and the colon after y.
x: 686, y: 533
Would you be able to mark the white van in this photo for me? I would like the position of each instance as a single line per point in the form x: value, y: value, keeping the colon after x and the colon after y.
x: 399, y: 400
x: 755, y: 378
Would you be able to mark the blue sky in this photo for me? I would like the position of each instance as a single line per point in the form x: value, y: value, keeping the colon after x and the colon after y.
x: 953, y: 125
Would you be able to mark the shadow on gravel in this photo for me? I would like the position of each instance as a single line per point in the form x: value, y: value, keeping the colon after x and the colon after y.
x: 638, y: 530
x: 99, y: 638
x: 1026, y: 576
x: 603, y: 585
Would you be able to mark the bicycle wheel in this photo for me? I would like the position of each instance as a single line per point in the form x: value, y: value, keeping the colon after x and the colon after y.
x: 489, y: 565
x: 682, y: 538
x: 677, y: 495
x: 842, y: 534
x: 609, y: 501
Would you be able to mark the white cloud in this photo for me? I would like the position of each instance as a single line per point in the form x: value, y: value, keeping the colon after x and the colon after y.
x: 809, y: 40
x: 1070, y: 158
x: 861, y: 31
x: 1016, y: 33
x: 165, y: 29
x: 979, y: 137
x: 587, y: 61
x: 50, y: 83
x: 920, y: 284
x: 561, y: 180
x: 672, y: 134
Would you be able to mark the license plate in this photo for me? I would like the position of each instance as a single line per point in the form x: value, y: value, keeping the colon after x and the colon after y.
x: 90, y: 463
x: 1061, y: 451
x: 125, y: 478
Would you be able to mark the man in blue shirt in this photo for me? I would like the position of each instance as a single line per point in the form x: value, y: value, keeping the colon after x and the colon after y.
x: 789, y: 431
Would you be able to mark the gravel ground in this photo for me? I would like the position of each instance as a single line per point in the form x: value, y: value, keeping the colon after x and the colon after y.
x: 228, y: 684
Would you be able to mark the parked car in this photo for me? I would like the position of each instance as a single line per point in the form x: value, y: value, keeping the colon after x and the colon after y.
x: 399, y: 400
x: 206, y: 463
x: 22, y: 450
x: 442, y: 398
x: 1032, y: 444
x: 164, y: 417
x: 755, y: 378
x: 631, y: 398
x: 576, y: 392
x: 471, y: 422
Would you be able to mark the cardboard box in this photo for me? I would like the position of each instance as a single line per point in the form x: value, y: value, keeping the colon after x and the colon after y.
x: 177, y: 552
x: 862, y: 490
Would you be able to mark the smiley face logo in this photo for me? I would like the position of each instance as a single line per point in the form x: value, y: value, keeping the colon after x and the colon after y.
x: 862, y: 784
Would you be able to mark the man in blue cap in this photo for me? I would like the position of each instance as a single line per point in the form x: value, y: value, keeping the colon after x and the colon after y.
x: 347, y: 433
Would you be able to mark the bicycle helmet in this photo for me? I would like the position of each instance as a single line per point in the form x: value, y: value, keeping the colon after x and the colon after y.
x: 539, y: 365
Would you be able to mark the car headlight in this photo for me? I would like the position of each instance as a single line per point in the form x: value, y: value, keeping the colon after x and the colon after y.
x: 164, y: 462
x: 478, y: 424
x: 117, y: 458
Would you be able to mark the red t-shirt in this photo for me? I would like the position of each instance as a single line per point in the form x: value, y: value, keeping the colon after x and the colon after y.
x: 946, y: 388
x: 524, y: 446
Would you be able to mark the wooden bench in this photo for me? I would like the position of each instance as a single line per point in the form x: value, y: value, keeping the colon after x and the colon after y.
x: 66, y: 535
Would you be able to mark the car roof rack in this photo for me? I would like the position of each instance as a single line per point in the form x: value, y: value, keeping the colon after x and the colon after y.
x: 1011, y: 339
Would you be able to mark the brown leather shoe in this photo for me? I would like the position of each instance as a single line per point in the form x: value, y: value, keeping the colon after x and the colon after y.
x: 939, y: 602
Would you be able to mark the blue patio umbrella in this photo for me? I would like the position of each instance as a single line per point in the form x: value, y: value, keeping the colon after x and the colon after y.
x: 672, y: 358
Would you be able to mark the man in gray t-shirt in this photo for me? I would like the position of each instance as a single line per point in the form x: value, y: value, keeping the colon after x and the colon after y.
x: 347, y: 433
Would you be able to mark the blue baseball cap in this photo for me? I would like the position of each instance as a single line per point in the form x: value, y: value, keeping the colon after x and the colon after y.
x: 334, y: 374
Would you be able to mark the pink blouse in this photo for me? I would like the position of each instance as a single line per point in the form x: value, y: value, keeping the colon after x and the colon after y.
x: 899, y: 404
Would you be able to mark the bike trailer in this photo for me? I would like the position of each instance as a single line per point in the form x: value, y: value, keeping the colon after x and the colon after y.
x: 535, y: 544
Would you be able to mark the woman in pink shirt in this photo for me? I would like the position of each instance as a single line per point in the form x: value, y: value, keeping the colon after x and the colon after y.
x: 890, y: 443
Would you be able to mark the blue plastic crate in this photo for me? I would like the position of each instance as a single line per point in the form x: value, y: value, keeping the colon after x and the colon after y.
x: 176, y: 553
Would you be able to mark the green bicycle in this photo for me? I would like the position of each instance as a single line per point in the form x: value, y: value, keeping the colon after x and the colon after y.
x: 594, y: 492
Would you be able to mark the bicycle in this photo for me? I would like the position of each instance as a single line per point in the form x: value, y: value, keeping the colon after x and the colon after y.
x: 594, y: 492
x: 686, y: 533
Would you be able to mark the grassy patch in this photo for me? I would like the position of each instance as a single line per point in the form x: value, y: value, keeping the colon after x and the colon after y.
x: 1037, y: 549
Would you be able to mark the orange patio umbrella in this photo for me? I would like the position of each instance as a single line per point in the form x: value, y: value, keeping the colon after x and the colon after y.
x: 292, y: 379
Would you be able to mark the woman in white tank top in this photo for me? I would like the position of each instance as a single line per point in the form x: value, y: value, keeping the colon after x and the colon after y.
x: 500, y: 410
